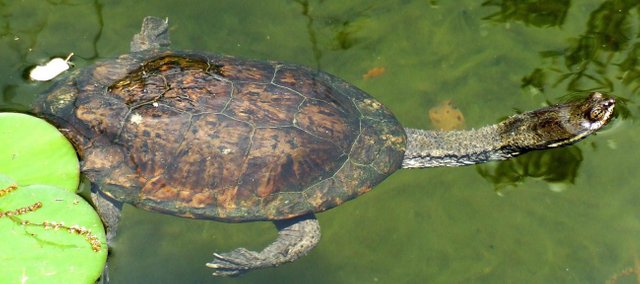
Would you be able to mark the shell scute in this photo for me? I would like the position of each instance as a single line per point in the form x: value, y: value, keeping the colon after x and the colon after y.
x: 209, y: 136
x: 155, y: 131
x: 326, y: 121
x: 327, y: 194
x: 243, y: 70
x: 288, y: 160
x: 263, y: 105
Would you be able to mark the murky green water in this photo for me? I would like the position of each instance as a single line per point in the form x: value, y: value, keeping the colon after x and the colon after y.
x: 563, y: 216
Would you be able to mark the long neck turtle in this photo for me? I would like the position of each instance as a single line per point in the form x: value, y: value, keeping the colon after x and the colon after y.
x: 210, y: 136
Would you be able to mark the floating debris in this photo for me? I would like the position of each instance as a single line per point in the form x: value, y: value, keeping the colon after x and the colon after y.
x: 22, y: 210
x: 8, y: 189
x: 373, y: 72
x: 446, y: 117
x: 50, y: 70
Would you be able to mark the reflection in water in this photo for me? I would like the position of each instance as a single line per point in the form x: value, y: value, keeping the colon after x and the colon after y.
x: 552, y: 166
x: 540, y: 13
x: 344, y: 26
x: 605, y: 45
x: 317, y: 53
x: 583, y: 65
x: 608, y: 42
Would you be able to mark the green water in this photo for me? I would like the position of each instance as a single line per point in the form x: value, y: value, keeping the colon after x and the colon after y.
x: 562, y: 216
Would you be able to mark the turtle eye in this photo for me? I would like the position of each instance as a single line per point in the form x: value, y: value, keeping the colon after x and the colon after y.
x: 596, y: 114
x: 601, y: 111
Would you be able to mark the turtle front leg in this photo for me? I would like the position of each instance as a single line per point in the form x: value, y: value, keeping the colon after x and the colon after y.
x: 109, y: 211
x: 296, y: 237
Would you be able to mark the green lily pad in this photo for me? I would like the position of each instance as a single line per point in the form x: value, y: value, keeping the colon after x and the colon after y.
x: 48, y: 235
x: 32, y: 151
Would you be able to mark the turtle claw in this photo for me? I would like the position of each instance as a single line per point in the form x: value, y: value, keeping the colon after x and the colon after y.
x: 235, y: 262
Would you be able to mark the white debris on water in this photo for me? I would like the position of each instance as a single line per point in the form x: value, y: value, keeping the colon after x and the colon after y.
x: 51, y: 69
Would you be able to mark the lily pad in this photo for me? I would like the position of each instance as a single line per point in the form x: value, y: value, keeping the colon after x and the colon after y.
x: 48, y: 235
x: 32, y: 151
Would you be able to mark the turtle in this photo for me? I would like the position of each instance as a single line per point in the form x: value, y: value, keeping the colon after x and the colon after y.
x: 216, y: 137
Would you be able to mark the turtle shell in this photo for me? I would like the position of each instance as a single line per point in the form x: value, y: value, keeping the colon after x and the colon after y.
x: 217, y: 137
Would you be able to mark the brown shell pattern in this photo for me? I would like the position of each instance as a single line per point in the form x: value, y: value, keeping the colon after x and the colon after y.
x: 210, y: 136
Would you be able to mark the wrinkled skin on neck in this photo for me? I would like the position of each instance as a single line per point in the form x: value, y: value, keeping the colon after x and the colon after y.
x: 548, y: 127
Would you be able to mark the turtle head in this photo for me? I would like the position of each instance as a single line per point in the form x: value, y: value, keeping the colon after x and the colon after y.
x: 591, y: 114
x: 557, y: 125
x: 560, y: 125
x: 582, y: 118
x: 154, y: 34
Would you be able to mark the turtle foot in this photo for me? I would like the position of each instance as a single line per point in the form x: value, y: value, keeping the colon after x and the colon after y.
x: 235, y: 262
x: 296, y: 237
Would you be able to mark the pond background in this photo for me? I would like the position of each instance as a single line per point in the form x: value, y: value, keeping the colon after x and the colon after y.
x: 563, y: 216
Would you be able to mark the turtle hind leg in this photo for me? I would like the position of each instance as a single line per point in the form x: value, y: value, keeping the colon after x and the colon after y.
x: 296, y: 237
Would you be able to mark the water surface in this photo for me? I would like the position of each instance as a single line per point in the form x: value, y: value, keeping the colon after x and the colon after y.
x: 562, y: 216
